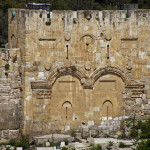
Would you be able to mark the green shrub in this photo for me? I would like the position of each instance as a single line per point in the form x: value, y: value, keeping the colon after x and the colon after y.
x: 24, y: 142
x: 3, y: 143
x: 106, y: 135
x: 111, y: 143
x: 121, y: 136
x: 96, y: 147
x: 73, y: 133
x: 55, y: 143
x: 66, y: 141
x: 133, y: 133
x: 7, y: 67
x: 64, y: 148
x: 144, y: 145
x: 122, y: 145
x: 138, y: 129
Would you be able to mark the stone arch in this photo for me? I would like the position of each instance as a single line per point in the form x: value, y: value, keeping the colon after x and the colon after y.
x: 67, y: 104
x: 63, y: 71
x: 107, y: 101
x: 88, y: 35
x: 110, y: 70
x: 87, y: 42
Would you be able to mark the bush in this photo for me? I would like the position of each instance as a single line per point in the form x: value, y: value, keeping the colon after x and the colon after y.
x: 133, y: 133
x: 7, y: 67
x: 144, y: 145
x: 96, y: 147
x: 55, y: 143
x: 111, y: 143
x: 73, y: 133
x: 24, y: 142
x: 3, y: 143
x: 66, y: 141
x: 64, y: 148
x: 122, y: 145
x: 138, y: 129
x: 106, y: 135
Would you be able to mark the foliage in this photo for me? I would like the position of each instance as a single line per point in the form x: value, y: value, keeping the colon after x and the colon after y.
x: 111, y: 143
x: 24, y: 142
x: 3, y: 143
x: 144, y: 145
x: 139, y: 130
x: 66, y: 141
x: 106, y: 135
x: 7, y: 67
x: 73, y: 133
x: 55, y: 143
x: 64, y: 148
x: 96, y: 147
x: 122, y: 145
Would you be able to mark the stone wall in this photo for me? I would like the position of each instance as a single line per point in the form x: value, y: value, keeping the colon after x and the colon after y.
x: 81, y: 69
x: 10, y: 94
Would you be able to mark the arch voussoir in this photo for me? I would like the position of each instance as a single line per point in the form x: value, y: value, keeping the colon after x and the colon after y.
x: 63, y: 71
x: 110, y: 70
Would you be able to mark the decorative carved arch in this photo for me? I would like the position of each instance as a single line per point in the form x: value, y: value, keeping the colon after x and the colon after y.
x: 67, y: 102
x: 63, y: 71
x: 88, y: 35
x: 107, y: 101
x: 110, y: 70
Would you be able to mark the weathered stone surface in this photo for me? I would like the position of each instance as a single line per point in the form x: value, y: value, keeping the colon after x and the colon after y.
x: 85, y: 69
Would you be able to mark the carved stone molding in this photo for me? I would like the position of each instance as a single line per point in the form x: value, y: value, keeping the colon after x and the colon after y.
x: 87, y: 66
x: 67, y: 37
x: 87, y: 83
x: 40, y: 85
x: 129, y: 38
x: 88, y: 35
x: 108, y: 37
x: 43, y: 94
x: 110, y: 70
x: 42, y: 89
x: 65, y: 70
x: 137, y: 89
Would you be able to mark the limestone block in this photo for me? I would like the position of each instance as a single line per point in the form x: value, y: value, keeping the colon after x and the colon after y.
x: 19, y: 148
x: 47, y: 144
x: 90, y: 123
x: 41, y: 74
